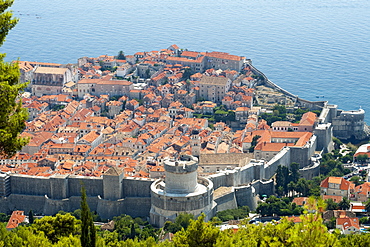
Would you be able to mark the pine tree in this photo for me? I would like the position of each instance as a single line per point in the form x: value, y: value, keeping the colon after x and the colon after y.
x: 121, y: 55
x: 199, y: 233
x: 88, y: 232
x: 12, y: 115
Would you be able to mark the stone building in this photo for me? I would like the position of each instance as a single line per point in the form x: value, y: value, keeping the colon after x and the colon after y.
x: 182, y: 191
x: 349, y: 124
x: 195, y: 143
x: 336, y: 186
x: 224, y: 61
x: 214, y: 88
x: 197, y: 65
x: 99, y: 87
x: 114, y: 108
x: 49, y: 80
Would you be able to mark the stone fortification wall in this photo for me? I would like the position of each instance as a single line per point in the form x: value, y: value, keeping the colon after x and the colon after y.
x: 214, y: 162
x: 68, y: 205
x: 107, y: 209
x: 269, y: 83
x: 63, y: 192
x: 58, y: 186
x: 29, y: 185
x: 346, y: 124
x: 181, y: 202
x: 190, y: 194
x: 264, y: 187
x: 136, y: 187
x: 324, y: 133
x: 133, y: 206
x: 137, y: 206
x: 282, y: 158
x: 312, y: 105
x: 112, y: 180
x: 238, y: 176
x: 93, y: 186
x: 327, y: 113
x: 311, y: 171
x: 22, y: 202
x: 226, y: 201
x: 349, y: 124
x: 246, y: 196
x: 53, y: 206
x: 302, y: 155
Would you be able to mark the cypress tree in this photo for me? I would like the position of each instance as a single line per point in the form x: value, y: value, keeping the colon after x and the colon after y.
x: 30, y: 217
x: 12, y: 114
x: 88, y: 232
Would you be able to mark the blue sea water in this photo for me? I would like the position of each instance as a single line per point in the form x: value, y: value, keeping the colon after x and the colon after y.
x: 309, y: 47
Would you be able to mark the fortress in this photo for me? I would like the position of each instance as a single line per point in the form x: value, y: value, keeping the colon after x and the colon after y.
x: 182, y: 190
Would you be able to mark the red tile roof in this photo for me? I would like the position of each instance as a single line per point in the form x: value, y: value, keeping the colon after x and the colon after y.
x: 347, y: 222
x: 16, y: 218
x: 344, y: 184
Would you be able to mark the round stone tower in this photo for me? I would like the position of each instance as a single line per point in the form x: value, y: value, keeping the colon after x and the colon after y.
x: 182, y: 191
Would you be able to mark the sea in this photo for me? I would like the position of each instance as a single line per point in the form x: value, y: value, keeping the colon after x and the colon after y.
x: 316, y: 49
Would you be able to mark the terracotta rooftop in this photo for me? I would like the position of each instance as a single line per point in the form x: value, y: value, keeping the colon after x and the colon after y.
x: 16, y: 218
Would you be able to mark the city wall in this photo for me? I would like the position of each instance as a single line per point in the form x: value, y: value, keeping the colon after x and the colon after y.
x: 246, y: 196
x: 346, y: 124
x: 311, y: 171
x: 113, y: 195
x: 48, y: 195
x: 226, y: 201
x: 51, y: 194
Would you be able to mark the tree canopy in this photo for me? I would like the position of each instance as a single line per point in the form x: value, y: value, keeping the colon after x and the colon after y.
x: 88, y: 232
x: 12, y: 114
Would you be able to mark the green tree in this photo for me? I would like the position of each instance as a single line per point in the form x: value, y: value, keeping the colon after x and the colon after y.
x: 337, y: 143
x: 88, y: 232
x: 184, y: 220
x: 282, y: 179
x: 132, y: 230
x: 56, y: 227
x: 199, y: 233
x: 254, y: 143
x: 4, y: 217
x: 367, y: 206
x: 361, y: 158
x: 347, y: 158
x: 77, y: 213
x: 355, y: 240
x: 181, y: 221
x: 311, y: 232
x: 302, y: 187
x: 121, y: 56
x: 122, y: 225
x: 294, y: 172
x: 344, y: 204
x: 30, y: 217
x: 12, y: 114
x: 356, y: 180
x: 26, y: 236
x: 187, y: 73
x: 233, y: 214
x: 331, y: 205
